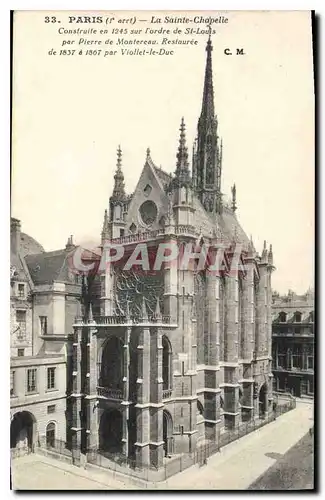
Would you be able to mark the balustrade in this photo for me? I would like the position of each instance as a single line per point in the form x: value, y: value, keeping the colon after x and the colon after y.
x: 134, y: 320
x: 166, y: 393
x: 110, y: 393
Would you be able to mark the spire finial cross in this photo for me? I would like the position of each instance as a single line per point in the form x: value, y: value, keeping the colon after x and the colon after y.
x: 209, y: 30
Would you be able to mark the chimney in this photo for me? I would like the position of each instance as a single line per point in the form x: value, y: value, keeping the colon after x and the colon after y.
x: 15, y: 229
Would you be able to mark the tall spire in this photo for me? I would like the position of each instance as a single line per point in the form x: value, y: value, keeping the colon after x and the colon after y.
x: 207, y: 157
x: 119, y: 188
x: 207, y: 110
x: 182, y: 171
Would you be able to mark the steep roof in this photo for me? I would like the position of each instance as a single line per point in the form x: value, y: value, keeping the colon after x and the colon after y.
x: 164, y: 177
x: 47, y: 267
x: 231, y: 229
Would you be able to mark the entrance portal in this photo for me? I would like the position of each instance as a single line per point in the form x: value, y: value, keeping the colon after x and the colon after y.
x: 111, y: 431
x: 22, y: 430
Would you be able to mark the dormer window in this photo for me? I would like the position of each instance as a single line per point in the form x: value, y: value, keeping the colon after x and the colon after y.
x: 297, y: 317
x: 282, y: 317
x: 21, y: 290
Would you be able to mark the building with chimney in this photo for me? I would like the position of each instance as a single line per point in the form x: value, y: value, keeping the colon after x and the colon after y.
x: 293, y: 343
x: 43, y: 305
x: 164, y: 359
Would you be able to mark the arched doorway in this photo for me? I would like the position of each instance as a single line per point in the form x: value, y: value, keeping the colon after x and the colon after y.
x: 50, y: 435
x: 112, y: 364
x: 22, y: 430
x: 167, y: 433
x: 262, y: 400
x: 167, y: 363
x: 111, y: 431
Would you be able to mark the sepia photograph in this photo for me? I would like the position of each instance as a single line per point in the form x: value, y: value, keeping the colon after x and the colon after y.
x: 162, y: 241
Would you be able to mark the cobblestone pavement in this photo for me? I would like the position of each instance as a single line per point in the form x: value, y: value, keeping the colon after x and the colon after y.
x: 292, y: 471
x: 236, y: 467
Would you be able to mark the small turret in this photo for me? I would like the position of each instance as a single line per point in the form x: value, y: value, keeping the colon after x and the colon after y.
x: 119, y: 188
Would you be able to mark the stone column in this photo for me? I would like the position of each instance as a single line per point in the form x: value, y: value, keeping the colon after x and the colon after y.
x: 262, y: 303
x: 156, y: 388
x: 231, y: 386
x: 248, y: 340
x: 212, y: 371
x: 91, y: 397
x: 143, y: 398
x: 171, y: 285
x: 107, y: 286
x: 126, y: 399
x: 76, y: 396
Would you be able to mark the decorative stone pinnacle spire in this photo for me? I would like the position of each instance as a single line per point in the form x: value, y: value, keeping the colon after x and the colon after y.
x: 182, y: 170
x: 119, y: 189
x: 264, y: 252
x: 270, y: 258
x: 105, y: 230
x: 157, y: 310
x: 119, y: 157
x: 90, y: 314
x: 144, y: 310
x: 148, y: 154
x: 233, y: 202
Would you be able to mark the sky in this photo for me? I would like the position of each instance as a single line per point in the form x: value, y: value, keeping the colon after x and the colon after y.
x: 70, y: 113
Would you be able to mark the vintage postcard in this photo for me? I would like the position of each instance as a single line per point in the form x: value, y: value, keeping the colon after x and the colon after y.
x: 162, y: 243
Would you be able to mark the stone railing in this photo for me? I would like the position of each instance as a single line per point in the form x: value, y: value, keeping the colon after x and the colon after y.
x: 110, y: 393
x: 149, y: 235
x: 116, y: 320
x: 166, y: 393
x: 185, y: 229
x: 111, y: 320
x: 131, y: 238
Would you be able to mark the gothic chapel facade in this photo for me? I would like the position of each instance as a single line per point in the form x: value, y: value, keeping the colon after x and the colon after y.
x: 164, y: 360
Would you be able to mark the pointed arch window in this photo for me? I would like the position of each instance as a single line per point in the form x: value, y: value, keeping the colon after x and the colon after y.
x: 167, y: 363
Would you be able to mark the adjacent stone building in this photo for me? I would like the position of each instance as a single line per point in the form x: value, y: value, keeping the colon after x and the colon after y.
x: 43, y: 297
x: 165, y: 358
x: 293, y: 343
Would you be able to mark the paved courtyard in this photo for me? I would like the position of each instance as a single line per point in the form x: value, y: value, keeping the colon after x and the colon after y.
x: 236, y: 467
x: 292, y: 471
